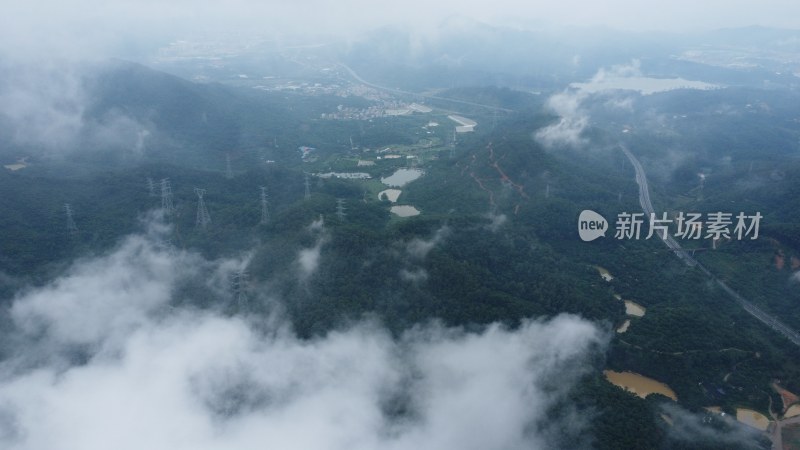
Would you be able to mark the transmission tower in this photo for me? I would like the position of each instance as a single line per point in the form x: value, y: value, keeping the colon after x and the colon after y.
x: 151, y: 187
x: 228, y: 170
x: 71, y: 228
x: 166, y: 197
x: 203, y: 218
x: 239, y: 288
x: 264, y: 206
x: 340, y: 209
x: 547, y: 191
x: 308, y: 188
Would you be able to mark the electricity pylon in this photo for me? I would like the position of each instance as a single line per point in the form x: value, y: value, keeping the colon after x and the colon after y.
x: 340, y: 209
x: 71, y: 227
x: 203, y: 218
x: 264, y: 206
x: 228, y: 170
x: 166, y: 197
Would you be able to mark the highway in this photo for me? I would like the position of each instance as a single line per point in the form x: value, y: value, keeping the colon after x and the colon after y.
x: 647, y: 206
x: 415, y: 94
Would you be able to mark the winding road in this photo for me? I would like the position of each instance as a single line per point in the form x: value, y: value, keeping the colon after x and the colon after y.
x: 761, y: 315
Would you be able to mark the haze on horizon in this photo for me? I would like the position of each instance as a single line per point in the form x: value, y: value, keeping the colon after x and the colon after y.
x: 92, y: 28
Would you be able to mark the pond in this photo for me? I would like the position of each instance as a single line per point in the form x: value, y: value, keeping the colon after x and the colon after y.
x: 634, y: 309
x: 753, y: 418
x: 402, y: 177
x: 404, y: 211
x: 640, y: 385
x: 604, y: 273
x: 793, y: 411
x: 389, y: 194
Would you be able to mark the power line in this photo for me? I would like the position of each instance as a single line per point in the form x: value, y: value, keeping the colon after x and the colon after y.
x: 340, y: 209
x: 151, y: 187
x: 308, y: 188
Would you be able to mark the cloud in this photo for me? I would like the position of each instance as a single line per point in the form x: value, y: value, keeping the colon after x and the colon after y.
x: 308, y: 258
x: 632, y: 69
x: 98, y: 298
x: 45, y: 105
x: 569, y: 106
x: 416, y: 276
x: 573, y: 119
x: 705, y: 428
x: 168, y: 377
x: 496, y: 221
x: 418, y: 249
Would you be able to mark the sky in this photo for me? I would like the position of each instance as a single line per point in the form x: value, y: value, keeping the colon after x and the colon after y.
x: 86, y: 27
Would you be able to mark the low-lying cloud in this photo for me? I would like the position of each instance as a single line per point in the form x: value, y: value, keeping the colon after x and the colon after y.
x: 308, y: 258
x: 418, y: 249
x: 152, y: 374
x: 45, y: 105
x: 573, y: 119
x: 574, y: 116
x: 699, y: 428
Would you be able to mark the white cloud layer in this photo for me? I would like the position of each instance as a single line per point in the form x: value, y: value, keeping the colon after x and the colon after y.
x: 151, y: 376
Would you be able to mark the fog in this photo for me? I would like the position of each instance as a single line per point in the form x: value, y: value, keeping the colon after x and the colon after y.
x: 111, y: 355
x: 115, y: 28
x: 44, y: 105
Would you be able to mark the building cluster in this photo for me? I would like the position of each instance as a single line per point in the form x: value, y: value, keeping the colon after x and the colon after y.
x: 384, y: 108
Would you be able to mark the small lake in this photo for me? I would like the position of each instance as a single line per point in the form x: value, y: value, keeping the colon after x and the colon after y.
x: 793, y: 410
x: 390, y: 194
x: 404, y: 211
x: 640, y: 385
x: 402, y: 177
x: 604, y: 273
x: 634, y: 309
